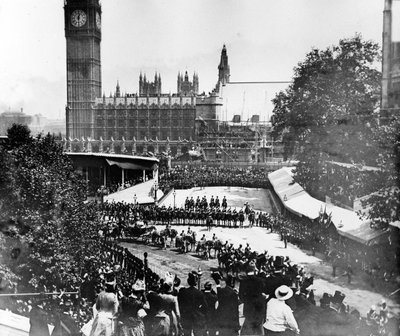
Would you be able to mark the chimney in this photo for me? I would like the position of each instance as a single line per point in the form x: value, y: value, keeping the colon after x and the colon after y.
x: 386, y: 50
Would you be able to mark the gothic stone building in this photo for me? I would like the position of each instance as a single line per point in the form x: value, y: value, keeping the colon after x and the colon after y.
x: 147, y: 115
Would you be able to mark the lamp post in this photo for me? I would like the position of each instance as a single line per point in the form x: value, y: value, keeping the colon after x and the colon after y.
x: 174, y: 193
x: 200, y: 273
x: 155, y: 192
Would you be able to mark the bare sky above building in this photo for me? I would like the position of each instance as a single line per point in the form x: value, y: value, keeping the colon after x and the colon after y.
x: 265, y: 39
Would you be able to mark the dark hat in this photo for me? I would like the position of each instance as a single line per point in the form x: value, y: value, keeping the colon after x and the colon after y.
x: 216, y: 275
x: 192, y: 278
x: 208, y: 285
x: 338, y: 297
x: 230, y: 280
x: 326, y: 299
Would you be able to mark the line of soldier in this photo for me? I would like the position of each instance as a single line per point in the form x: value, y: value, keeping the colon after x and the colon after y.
x: 122, y: 214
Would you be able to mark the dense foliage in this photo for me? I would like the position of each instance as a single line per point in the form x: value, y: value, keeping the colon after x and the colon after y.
x: 329, y: 107
x: 384, y: 204
x: 330, y: 113
x: 49, y: 229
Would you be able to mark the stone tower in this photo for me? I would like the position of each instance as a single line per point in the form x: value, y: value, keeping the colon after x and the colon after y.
x: 147, y: 88
x: 185, y: 86
x: 223, y: 68
x: 83, y: 37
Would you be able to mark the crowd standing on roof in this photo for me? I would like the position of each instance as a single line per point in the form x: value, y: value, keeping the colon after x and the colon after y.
x: 181, y: 177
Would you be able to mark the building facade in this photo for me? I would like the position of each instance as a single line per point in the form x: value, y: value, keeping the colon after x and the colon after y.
x: 158, y: 117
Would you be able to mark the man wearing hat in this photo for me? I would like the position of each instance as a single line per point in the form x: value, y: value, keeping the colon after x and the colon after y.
x: 227, y: 313
x: 193, y: 307
x: 211, y: 299
x: 251, y: 293
x: 279, y: 316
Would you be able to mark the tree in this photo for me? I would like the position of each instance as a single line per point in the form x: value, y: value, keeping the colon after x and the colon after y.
x: 328, y: 112
x: 18, y: 135
x: 43, y: 195
x: 384, y: 204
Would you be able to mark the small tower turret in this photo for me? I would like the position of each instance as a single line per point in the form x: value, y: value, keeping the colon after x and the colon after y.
x: 117, y: 90
x: 223, y: 68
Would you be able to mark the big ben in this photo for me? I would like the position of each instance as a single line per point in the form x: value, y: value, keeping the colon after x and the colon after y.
x: 83, y: 37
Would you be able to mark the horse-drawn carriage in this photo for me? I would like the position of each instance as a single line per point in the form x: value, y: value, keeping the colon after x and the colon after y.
x: 140, y: 232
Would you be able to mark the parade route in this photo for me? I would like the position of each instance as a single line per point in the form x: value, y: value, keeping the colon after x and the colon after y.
x: 359, y: 295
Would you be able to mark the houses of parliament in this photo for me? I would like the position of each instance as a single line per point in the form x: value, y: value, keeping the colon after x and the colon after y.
x: 153, y: 121
x: 149, y: 118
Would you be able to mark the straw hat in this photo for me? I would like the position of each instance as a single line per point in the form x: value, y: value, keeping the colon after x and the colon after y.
x: 283, y: 293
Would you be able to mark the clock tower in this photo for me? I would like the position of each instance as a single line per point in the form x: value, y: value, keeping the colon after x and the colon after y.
x: 83, y: 36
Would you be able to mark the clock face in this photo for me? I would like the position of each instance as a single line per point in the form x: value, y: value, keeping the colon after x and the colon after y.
x: 78, y: 18
x: 98, y: 21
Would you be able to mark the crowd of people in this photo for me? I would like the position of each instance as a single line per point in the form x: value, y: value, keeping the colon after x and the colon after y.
x: 121, y: 295
x: 181, y: 177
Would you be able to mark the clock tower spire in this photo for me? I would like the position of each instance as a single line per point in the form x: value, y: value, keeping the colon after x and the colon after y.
x: 83, y: 37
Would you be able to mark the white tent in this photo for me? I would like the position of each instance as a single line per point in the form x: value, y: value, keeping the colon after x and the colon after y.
x: 295, y: 199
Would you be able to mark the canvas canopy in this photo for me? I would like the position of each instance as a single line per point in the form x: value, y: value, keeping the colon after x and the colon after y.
x: 122, y: 161
x: 298, y: 201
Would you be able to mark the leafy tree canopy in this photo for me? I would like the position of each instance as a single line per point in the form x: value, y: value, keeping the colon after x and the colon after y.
x: 43, y: 196
x: 18, y: 135
x: 329, y: 105
x: 384, y: 204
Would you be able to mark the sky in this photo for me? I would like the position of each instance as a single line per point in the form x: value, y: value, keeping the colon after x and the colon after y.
x: 265, y: 39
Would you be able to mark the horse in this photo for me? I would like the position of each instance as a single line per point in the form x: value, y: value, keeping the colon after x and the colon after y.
x: 215, y: 245
x: 167, y: 234
x: 203, y: 249
x: 186, y: 243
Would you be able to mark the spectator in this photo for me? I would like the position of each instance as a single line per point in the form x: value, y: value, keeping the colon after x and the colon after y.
x: 104, y: 323
x: 251, y: 292
x: 279, y: 315
x: 227, y: 313
x: 193, y: 307
x: 211, y: 299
